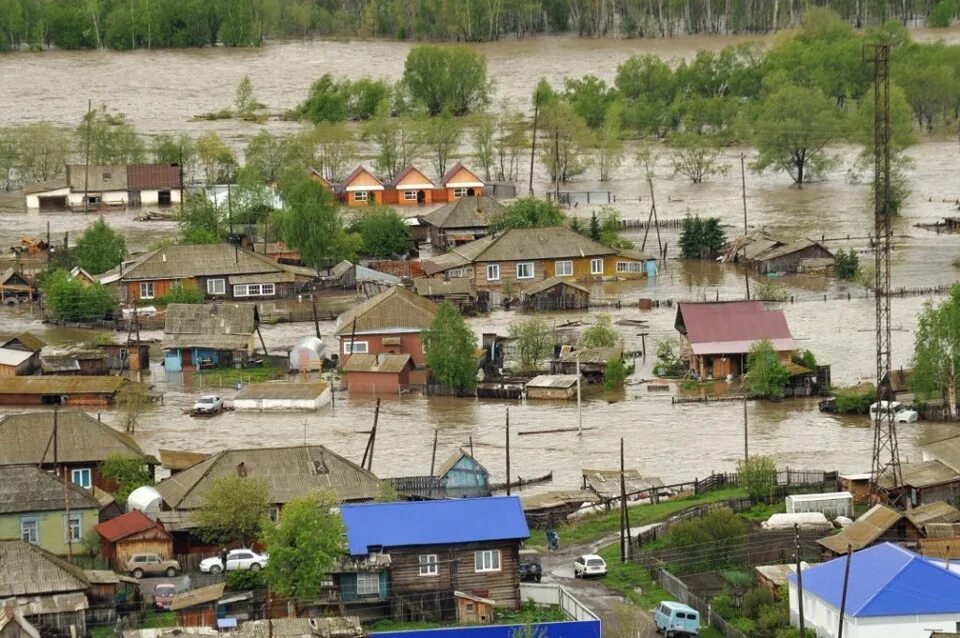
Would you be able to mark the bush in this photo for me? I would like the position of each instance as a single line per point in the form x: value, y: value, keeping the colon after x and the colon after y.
x: 616, y: 373
x: 846, y: 265
x: 769, y: 291
x: 754, y: 599
x: 245, y: 579
x: 766, y: 376
x: 69, y: 300
x: 757, y: 475
x: 711, y: 542
x: 855, y: 399
x: 181, y: 294
x: 806, y: 359
x: 669, y: 364
x: 599, y: 335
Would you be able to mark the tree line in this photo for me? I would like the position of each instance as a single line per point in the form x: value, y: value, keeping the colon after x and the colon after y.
x: 133, y: 24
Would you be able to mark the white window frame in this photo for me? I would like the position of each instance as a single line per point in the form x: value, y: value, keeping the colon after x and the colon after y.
x: 409, y: 196
x: 495, y: 269
x: 567, y: 264
x: 429, y: 565
x: 525, y: 265
x: 254, y: 290
x: 147, y: 290
x: 356, y: 347
x: 81, y: 473
x: 73, y: 528
x: 360, y: 196
x: 634, y: 267
x: 486, y: 560
x: 594, y: 268
x: 456, y: 273
x: 216, y: 286
x: 30, y: 530
x: 368, y: 579
x: 459, y: 192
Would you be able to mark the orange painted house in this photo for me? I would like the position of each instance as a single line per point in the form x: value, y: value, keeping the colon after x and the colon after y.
x: 459, y: 181
x: 316, y: 176
x: 411, y: 187
x: 389, y: 323
x: 361, y: 188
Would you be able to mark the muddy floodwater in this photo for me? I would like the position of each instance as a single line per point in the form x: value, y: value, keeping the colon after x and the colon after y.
x: 161, y: 90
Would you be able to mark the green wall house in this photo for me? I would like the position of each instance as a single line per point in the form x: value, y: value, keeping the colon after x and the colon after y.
x: 33, y: 508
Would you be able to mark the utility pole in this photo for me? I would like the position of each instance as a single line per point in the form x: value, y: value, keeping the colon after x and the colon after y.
x: 508, y: 451
x: 625, y: 540
x: 313, y: 302
x: 556, y: 156
x: 533, y: 139
x: 433, y: 457
x: 579, y: 404
x: 86, y: 159
x: 746, y: 430
x: 846, y: 582
x: 743, y: 190
x: 796, y: 537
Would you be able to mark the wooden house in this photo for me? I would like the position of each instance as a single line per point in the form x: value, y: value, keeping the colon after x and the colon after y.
x: 555, y: 294
x: 389, y: 323
x: 459, y: 181
x: 525, y: 256
x: 377, y: 373
x: 33, y: 507
x: 219, y: 271
x: 474, y: 610
x: 590, y: 363
x: 198, y: 607
x: 133, y: 533
x: 552, y: 386
x: 926, y: 482
x: 20, y: 355
x: 934, y: 513
x: 877, y: 525
x: 767, y: 253
x: 460, y: 292
x: 97, y: 187
x: 463, y: 475
x: 16, y: 287
x: 74, y: 362
x: 461, y: 221
x: 436, y: 548
x: 207, y: 336
x: 14, y: 625
x: 49, y: 592
x: 83, y: 443
x: 79, y: 391
x: 717, y: 336
x: 411, y: 187
x: 126, y: 356
x: 361, y: 188
x: 279, y: 252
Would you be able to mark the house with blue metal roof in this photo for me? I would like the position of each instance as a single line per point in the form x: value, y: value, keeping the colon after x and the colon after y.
x: 892, y: 592
x: 415, y: 554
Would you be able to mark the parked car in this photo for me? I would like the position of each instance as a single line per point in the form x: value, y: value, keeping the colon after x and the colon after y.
x: 589, y: 565
x: 676, y: 619
x: 236, y: 559
x: 139, y: 565
x: 530, y: 566
x: 901, y: 413
x: 208, y: 404
x: 163, y: 594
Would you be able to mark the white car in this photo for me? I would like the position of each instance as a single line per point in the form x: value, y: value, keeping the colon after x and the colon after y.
x: 589, y: 565
x: 236, y: 559
x: 208, y: 404
x: 901, y: 413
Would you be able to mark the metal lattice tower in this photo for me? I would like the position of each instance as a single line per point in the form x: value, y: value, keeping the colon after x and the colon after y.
x: 886, y: 453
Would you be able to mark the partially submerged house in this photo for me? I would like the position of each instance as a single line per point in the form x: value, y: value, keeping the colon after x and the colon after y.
x: 927, y: 482
x: 74, y: 361
x: 86, y: 391
x: 361, y: 188
x: 283, y: 396
x: 20, y: 355
x: 378, y: 373
x: 16, y: 287
x: 98, y: 187
x: 767, y: 253
x: 133, y: 533
x: 461, y: 221
x: 555, y: 294
x: 208, y: 335
x: 463, y: 475
x: 462, y: 293
x: 715, y: 337
x: 459, y: 181
x: 552, y: 386
x: 877, y: 525
x: 389, y: 323
x: 591, y: 363
x: 411, y: 187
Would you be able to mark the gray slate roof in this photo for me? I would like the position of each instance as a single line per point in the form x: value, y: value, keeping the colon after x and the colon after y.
x: 226, y: 326
x: 205, y: 260
x: 465, y: 212
x: 27, y: 570
x: 281, y: 390
x: 80, y: 439
x: 393, y: 309
x: 27, y: 488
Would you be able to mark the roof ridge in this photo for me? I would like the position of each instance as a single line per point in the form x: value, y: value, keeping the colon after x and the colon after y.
x: 911, y: 557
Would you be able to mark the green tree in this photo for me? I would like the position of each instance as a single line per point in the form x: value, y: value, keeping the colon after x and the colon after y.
x: 217, y: 162
x: 534, y: 341
x: 483, y: 144
x: 304, y: 545
x: 701, y: 238
x: 528, y: 212
x: 942, y: 13
x: 182, y: 293
x: 180, y: 150
x: 335, y: 147
x: 846, y: 264
x: 590, y: 97
x: 99, y: 248
x: 714, y: 541
x: 244, y: 101
x: 451, y: 349
x: 128, y: 472
x: 510, y: 144
x: 565, y: 142
x: 440, y: 136
x: 669, y: 364
x: 199, y: 221
x: 450, y: 79
x: 112, y: 139
x: 71, y: 301
x: 326, y: 102
x: 42, y: 151
x: 758, y: 476
x: 936, y: 351
x: 696, y: 157
x: 607, y: 142
x: 615, y: 373
x: 233, y: 509
x: 313, y: 227
x: 133, y: 399
x: 267, y: 156
x: 600, y: 335
x: 385, y: 233
x: 766, y: 375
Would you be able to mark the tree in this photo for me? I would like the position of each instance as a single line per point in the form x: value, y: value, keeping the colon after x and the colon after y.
x: 233, y: 509
x: 669, y: 363
x: 528, y: 212
x: 182, y: 293
x: 766, y: 376
x: 565, y: 141
x: 217, y: 161
x: 133, y: 400
x: 313, y: 227
x: 326, y: 102
x: 758, y: 476
x: 846, y: 264
x: 936, y: 351
x: 608, y: 220
x: 180, y: 150
x: 696, y: 157
x: 534, y: 340
x: 41, y: 151
x: 701, y: 238
x: 99, y: 248
x: 396, y: 144
x: 451, y: 349
x: 590, y: 97
x: 128, y: 472
x: 112, y: 139
x: 71, y: 301
x: 714, y: 541
x: 244, y: 101
x: 793, y: 129
x: 510, y: 144
x: 440, y: 136
x: 607, y: 142
x: 304, y: 545
x: 385, y: 233
x: 483, y: 144
x: 266, y: 156
x: 600, y: 335
x: 615, y: 373
x: 335, y: 148
x: 450, y: 79
x: 199, y: 221
x: 942, y: 13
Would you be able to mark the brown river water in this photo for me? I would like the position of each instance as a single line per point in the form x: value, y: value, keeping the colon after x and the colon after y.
x: 161, y: 90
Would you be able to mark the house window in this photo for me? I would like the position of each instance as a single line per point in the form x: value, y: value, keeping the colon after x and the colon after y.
x: 596, y: 266
x: 30, y: 530
x: 456, y: 273
x: 487, y: 560
x: 81, y: 477
x: 525, y: 270
x: 459, y: 192
x: 146, y: 290
x: 273, y: 514
x: 360, y: 196
x: 630, y: 266
x: 253, y: 290
x: 493, y: 272
x: 74, y: 528
x: 355, y: 347
x: 368, y: 584
x: 563, y: 268
x: 216, y: 286
x: 428, y: 565
x: 409, y: 196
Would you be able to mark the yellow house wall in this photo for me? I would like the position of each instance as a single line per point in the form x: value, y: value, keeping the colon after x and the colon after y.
x: 52, y: 526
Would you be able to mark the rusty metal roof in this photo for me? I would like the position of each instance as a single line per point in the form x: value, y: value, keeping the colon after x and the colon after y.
x: 153, y: 177
x: 133, y: 522
x: 395, y: 309
x: 863, y: 531
x: 80, y: 439
x: 27, y: 570
x: 732, y: 327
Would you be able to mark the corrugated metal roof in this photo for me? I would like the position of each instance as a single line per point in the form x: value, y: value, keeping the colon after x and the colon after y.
x: 205, y: 260
x: 936, y: 512
x: 927, y: 474
x: 385, y: 363
x: 885, y: 580
x: 153, y: 177
x: 208, y: 594
x: 289, y: 472
x: 731, y: 327
x: 444, y: 522
x: 558, y: 498
x: 392, y: 309
x: 863, y: 531
x: 282, y: 390
x: 26, y: 488
x: 465, y: 212
x: 606, y: 483
x: 62, y: 385
x: 553, y: 381
x: 80, y: 439
x: 519, y: 244
x: 27, y: 570
x: 228, y: 326
x: 133, y: 522
x: 943, y: 530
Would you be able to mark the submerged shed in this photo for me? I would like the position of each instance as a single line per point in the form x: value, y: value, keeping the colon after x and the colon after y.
x: 552, y: 386
x: 554, y: 293
x: 283, y: 396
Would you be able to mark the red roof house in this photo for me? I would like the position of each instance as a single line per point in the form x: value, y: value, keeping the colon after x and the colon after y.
x: 716, y: 337
x: 133, y: 533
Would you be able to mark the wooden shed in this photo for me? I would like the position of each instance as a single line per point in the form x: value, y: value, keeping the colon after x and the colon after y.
x: 198, y: 607
x: 552, y: 386
x: 60, y: 390
x: 555, y: 294
x: 133, y: 533
x: 473, y: 610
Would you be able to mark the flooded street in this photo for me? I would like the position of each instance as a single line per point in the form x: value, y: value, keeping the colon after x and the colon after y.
x: 161, y: 90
